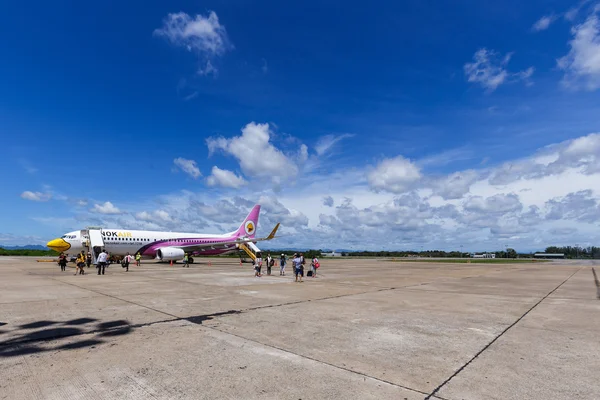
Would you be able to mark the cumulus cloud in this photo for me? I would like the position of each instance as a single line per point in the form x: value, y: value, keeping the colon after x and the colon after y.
x: 455, y: 185
x: 394, y: 175
x: 156, y: 215
x: 581, y: 206
x: 188, y: 166
x: 273, y: 211
x: 225, y: 178
x: 203, y: 35
x: 257, y: 156
x: 35, y: 196
x: 582, y: 153
x: 106, y: 208
x: 543, y: 23
x: 328, y: 201
x: 488, y: 69
x: 582, y: 63
x: 497, y: 204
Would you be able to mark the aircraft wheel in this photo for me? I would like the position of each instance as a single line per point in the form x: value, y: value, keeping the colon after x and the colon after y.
x: 190, y: 260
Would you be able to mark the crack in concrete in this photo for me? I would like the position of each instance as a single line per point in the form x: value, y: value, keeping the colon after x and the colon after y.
x: 437, y: 389
x: 318, y: 361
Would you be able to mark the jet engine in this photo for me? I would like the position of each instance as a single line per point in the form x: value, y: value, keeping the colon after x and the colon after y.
x: 169, y: 253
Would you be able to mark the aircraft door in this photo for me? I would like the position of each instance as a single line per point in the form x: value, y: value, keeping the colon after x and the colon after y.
x: 85, y: 239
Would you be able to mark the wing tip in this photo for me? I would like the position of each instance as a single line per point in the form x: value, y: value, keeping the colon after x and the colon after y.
x: 273, y: 232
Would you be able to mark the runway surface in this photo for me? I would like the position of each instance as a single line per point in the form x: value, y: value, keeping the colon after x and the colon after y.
x: 363, y: 329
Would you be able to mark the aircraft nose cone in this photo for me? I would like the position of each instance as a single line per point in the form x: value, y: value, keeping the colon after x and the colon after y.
x: 59, y: 245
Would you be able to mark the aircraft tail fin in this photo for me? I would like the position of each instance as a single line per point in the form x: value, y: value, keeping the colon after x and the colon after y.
x: 248, y: 227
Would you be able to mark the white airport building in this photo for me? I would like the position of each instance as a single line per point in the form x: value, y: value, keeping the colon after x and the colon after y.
x: 484, y: 255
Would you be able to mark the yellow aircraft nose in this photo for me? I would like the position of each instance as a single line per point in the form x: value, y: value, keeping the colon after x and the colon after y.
x: 59, y: 245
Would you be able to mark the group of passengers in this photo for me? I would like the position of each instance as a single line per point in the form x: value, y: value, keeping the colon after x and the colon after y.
x: 103, y: 259
x: 298, y: 263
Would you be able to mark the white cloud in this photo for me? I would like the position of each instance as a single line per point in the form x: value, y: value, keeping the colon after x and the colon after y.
x: 190, y: 96
x: 257, y: 156
x: 499, y: 203
x: 154, y: 216
x: 571, y: 14
x: 106, y: 208
x: 201, y: 34
x: 581, y: 206
x: 327, y: 142
x: 455, y: 185
x: 303, y: 153
x: 582, y: 63
x: 36, y: 196
x: 208, y: 69
x: 188, y: 166
x: 27, y: 166
x: 394, y: 175
x: 488, y: 69
x: 225, y: 178
x: 543, y: 23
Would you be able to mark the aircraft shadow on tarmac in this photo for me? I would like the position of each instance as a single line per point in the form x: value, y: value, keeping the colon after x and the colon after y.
x: 36, y: 337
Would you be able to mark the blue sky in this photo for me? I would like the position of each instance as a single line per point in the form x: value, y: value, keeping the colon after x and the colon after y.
x: 357, y: 125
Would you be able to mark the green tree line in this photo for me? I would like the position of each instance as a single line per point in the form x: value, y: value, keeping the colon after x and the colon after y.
x: 27, y: 252
x: 576, y: 251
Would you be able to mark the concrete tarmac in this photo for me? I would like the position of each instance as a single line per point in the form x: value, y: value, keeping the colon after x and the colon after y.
x: 363, y: 329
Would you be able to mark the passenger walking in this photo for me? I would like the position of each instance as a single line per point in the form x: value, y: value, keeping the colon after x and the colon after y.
x: 88, y: 259
x: 138, y: 259
x: 282, y: 264
x: 186, y: 260
x: 258, y: 265
x: 314, y: 266
x: 128, y: 258
x: 269, y: 263
x: 80, y: 263
x: 302, y: 262
x: 102, y: 257
x: 62, y: 261
x: 297, y: 264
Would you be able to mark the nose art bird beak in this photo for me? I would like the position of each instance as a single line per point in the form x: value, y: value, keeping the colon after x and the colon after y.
x: 59, y: 245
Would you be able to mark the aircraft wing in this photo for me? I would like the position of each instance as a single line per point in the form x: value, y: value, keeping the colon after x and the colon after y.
x: 230, y: 245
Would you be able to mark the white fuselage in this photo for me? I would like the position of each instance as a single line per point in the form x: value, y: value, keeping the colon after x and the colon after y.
x: 121, y: 242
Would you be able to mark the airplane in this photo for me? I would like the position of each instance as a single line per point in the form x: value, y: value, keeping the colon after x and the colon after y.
x: 163, y: 246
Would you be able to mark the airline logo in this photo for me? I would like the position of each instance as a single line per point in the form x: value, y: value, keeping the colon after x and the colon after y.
x: 116, y: 234
x: 249, y: 227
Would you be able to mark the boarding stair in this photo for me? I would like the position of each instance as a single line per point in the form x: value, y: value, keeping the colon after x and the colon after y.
x: 96, y: 242
x: 249, y: 248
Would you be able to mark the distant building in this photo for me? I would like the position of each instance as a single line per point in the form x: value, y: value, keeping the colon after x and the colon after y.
x: 484, y: 255
x: 332, y: 254
x: 548, y: 255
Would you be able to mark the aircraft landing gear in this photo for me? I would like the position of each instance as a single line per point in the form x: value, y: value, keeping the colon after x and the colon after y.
x: 190, y: 260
